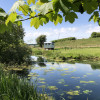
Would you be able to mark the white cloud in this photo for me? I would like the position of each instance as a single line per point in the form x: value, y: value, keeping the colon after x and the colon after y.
x: 63, y: 32
x: 51, y: 34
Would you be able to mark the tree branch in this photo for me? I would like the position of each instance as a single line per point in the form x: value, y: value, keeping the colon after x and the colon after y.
x: 34, y: 16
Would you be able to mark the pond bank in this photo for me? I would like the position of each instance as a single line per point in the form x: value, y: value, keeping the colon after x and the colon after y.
x: 62, y: 55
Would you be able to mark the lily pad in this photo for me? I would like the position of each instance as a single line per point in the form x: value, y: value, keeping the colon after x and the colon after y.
x: 78, y: 87
x: 87, y: 81
x: 71, y: 92
x: 66, y: 85
x: 63, y: 74
x: 42, y: 86
x: 52, y: 88
x: 42, y: 82
x: 61, y: 81
x: 87, y: 91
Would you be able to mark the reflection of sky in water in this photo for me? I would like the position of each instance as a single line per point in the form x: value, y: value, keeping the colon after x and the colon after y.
x: 65, y: 77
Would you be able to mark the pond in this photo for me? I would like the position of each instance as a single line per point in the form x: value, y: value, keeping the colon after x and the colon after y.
x: 65, y: 81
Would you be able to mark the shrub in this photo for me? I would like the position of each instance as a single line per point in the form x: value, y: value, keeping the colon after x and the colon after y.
x: 95, y: 35
x: 64, y: 39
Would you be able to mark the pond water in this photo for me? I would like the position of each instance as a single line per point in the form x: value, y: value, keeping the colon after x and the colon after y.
x: 66, y: 81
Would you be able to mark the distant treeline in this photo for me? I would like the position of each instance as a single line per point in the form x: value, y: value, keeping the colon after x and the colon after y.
x: 64, y: 39
x: 93, y: 35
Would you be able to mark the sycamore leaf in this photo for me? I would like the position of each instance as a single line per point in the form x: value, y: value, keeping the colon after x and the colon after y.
x: 90, y: 6
x: 44, y: 1
x: 24, y: 9
x: 56, y: 5
x: 33, y: 13
x: 64, y: 8
x: 45, y: 8
x: 58, y: 19
x: 16, y: 5
x: 30, y: 1
x: 71, y: 17
x: 50, y: 16
x: 35, y: 22
x: 35, y: 7
x: 12, y: 17
x: 43, y: 19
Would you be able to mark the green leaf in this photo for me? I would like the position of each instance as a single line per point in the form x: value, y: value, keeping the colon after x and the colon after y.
x: 12, y: 17
x: 35, y: 22
x: 45, y: 8
x: 64, y: 8
x: 90, y: 6
x: 24, y: 9
x: 43, y: 19
x: 71, y: 17
x: 50, y: 16
x: 33, y: 13
x: 58, y: 19
x: 44, y: 1
x: 56, y: 5
x: 30, y: 1
x: 16, y: 5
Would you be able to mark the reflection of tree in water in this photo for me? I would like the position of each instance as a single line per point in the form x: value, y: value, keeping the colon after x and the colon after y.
x: 40, y: 59
x: 23, y: 73
x: 95, y: 66
x: 42, y: 64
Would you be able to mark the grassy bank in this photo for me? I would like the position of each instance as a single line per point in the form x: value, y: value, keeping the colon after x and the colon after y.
x: 14, y: 88
x: 69, y: 54
x: 79, y: 43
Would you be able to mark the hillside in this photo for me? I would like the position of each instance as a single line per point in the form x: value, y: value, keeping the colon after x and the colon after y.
x: 79, y: 43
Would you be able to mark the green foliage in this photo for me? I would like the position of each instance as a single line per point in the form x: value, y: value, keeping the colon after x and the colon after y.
x: 12, y: 48
x: 51, y: 9
x: 40, y: 40
x: 95, y: 35
x: 65, y: 39
x: 14, y: 88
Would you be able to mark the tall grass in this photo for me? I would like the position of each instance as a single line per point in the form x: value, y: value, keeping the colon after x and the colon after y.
x: 14, y: 88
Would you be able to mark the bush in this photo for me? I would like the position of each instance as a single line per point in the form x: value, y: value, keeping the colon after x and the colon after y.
x: 95, y: 35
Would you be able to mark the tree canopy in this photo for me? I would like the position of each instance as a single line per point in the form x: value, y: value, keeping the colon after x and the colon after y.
x: 40, y: 12
x: 40, y: 40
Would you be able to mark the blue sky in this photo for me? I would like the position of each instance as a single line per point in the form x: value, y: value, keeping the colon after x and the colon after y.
x: 81, y: 28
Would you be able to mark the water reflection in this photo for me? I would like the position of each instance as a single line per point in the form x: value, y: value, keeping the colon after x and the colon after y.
x: 66, y: 81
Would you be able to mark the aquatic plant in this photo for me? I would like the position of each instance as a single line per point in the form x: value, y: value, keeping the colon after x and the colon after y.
x: 13, y: 87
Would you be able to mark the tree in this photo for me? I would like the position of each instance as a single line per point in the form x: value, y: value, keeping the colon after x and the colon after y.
x: 13, y: 50
x: 42, y: 11
x: 40, y: 40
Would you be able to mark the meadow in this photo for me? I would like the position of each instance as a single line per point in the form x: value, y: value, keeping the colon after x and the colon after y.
x: 79, y: 49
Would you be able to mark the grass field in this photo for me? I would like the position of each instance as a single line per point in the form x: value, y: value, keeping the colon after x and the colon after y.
x: 79, y: 43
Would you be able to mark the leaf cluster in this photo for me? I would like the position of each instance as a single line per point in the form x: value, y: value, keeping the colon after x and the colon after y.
x: 40, y: 12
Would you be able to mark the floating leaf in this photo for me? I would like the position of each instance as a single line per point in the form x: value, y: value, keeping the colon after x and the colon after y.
x: 87, y: 81
x: 61, y: 81
x: 52, y: 88
x: 87, y: 91
x: 42, y: 86
x: 76, y: 92
x: 78, y: 87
